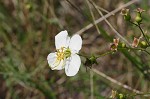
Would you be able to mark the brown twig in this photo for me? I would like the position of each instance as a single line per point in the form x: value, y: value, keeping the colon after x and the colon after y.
x: 106, y: 16
x: 115, y: 84
x: 93, y: 17
x: 114, y: 30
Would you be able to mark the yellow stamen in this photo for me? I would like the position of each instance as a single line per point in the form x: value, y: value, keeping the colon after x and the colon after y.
x: 60, y: 55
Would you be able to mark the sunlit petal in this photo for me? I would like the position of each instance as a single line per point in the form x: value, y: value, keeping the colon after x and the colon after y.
x: 53, y: 63
x: 59, y: 65
x: 62, y: 39
x: 75, y: 43
x: 73, y: 65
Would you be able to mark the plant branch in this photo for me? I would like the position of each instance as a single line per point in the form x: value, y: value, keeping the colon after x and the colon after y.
x: 144, y: 34
x: 140, y: 49
x: 114, y: 30
x: 106, y: 16
x: 115, y: 84
x: 93, y: 18
x: 91, y: 84
x: 138, y: 25
x: 104, y: 54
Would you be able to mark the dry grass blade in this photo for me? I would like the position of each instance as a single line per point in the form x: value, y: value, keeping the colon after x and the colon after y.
x: 115, y: 84
x: 93, y: 18
x: 114, y: 30
x: 106, y: 16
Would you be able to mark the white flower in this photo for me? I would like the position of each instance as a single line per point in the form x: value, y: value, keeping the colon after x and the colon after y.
x: 66, y: 56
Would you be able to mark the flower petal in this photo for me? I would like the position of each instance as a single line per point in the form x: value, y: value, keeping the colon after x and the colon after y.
x: 73, y: 65
x: 53, y: 63
x: 75, y: 43
x: 62, y: 39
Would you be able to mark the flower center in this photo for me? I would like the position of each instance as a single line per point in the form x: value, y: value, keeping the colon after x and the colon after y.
x: 63, y: 53
x: 60, y: 54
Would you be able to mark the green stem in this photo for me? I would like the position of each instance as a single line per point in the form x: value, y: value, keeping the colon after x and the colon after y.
x: 140, y: 49
x: 144, y: 34
x: 85, y: 56
x: 138, y: 25
x: 104, y: 54
x: 140, y: 94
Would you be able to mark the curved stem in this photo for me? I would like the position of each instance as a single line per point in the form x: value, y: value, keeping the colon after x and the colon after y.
x: 144, y: 34
x: 138, y: 25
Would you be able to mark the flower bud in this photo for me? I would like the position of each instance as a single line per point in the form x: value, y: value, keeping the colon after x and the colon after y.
x: 114, y: 45
x: 123, y: 45
x: 135, y: 42
x: 143, y: 44
x: 90, y: 61
x: 113, y: 94
x: 116, y: 41
x: 139, y: 10
x: 93, y: 59
x: 124, y: 11
x: 28, y: 6
x: 138, y: 18
x: 121, y: 96
x: 126, y: 14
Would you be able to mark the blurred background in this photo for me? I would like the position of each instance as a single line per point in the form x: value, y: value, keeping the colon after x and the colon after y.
x: 27, y: 31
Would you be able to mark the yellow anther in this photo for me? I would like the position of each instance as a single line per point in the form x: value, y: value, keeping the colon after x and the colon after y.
x: 60, y: 54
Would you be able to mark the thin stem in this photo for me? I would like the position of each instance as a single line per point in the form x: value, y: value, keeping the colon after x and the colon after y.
x: 142, y: 94
x: 77, y: 9
x: 91, y: 84
x: 93, y: 17
x: 106, y: 16
x: 139, y: 94
x: 116, y: 84
x: 133, y: 23
x: 146, y: 52
x: 108, y: 23
x: 104, y: 54
x: 138, y: 25
x: 140, y: 49
x: 85, y: 56
x: 104, y: 10
x: 144, y: 34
